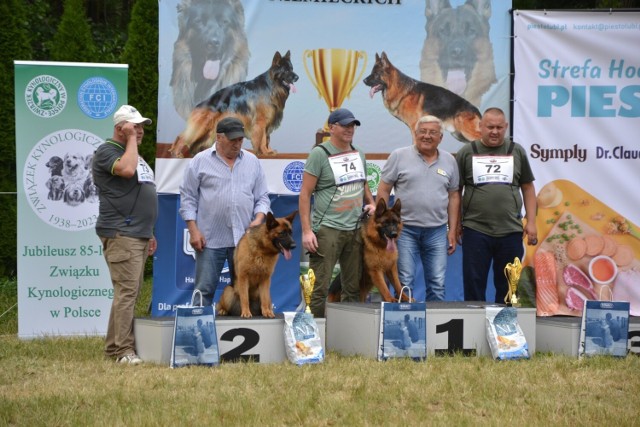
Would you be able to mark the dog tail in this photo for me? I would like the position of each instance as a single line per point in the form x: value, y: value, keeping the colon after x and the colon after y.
x: 198, y: 134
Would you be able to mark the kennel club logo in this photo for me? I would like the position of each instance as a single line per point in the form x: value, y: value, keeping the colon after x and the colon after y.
x: 58, y: 182
x: 97, y: 97
x: 45, y: 96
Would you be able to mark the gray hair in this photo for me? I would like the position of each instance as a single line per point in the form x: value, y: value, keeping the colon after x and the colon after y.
x: 429, y: 119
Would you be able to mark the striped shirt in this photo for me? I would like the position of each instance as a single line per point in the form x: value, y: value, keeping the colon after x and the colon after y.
x: 223, y: 200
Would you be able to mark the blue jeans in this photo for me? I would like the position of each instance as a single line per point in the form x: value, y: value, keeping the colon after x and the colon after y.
x: 209, y: 265
x: 429, y: 244
x: 479, y: 250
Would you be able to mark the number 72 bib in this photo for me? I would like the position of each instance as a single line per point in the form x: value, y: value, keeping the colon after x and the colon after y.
x: 492, y: 169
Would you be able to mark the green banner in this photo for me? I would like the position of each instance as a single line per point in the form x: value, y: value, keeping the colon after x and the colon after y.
x: 63, y: 112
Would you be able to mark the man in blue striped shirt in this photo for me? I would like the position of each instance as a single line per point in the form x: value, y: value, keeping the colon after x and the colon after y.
x: 223, y: 193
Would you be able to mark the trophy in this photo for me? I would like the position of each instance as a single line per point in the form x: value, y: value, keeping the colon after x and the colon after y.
x: 306, y: 284
x: 512, y: 271
x: 334, y: 76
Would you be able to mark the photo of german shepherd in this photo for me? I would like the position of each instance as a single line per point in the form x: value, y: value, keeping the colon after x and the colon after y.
x: 210, y: 53
x: 408, y: 100
x: 258, y: 103
x: 254, y: 261
x: 380, y: 253
x: 457, y: 52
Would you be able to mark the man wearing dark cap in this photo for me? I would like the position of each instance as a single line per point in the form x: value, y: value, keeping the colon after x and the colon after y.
x: 224, y: 192
x: 128, y: 211
x: 336, y: 174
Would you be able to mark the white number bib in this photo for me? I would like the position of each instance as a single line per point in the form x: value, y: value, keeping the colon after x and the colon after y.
x: 492, y: 169
x: 347, y: 167
x: 145, y: 173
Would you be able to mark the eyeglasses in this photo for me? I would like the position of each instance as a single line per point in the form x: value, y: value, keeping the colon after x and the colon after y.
x: 431, y: 133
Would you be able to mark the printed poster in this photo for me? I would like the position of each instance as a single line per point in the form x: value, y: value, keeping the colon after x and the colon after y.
x: 63, y: 113
x: 577, y: 106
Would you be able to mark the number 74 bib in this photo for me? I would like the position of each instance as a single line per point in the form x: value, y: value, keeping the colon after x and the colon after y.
x: 347, y: 167
x: 492, y: 169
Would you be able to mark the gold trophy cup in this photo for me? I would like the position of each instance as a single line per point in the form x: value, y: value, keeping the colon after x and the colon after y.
x: 513, y: 271
x: 307, y: 281
x: 335, y: 74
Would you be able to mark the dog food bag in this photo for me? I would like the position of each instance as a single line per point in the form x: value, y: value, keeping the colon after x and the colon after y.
x: 506, y: 339
x: 302, y: 338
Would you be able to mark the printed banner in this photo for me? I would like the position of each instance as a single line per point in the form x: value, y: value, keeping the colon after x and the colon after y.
x: 63, y: 112
x: 282, y: 66
x: 207, y: 47
x: 577, y: 102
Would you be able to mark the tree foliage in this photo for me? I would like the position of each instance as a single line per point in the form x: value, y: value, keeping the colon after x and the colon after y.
x: 141, y: 51
x: 73, y: 40
x: 15, y: 42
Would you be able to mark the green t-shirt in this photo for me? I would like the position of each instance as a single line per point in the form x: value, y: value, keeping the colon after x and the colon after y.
x: 334, y: 207
x: 493, y: 209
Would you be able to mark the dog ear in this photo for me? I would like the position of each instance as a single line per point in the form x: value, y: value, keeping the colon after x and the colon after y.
x: 381, y: 207
x: 291, y: 216
x: 276, y: 59
x: 397, y: 206
x: 272, y: 222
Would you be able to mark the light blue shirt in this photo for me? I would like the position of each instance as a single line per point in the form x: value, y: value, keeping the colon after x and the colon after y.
x: 223, y: 200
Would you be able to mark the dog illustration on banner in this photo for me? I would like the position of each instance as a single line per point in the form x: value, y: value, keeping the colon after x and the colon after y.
x: 254, y: 261
x: 210, y: 53
x: 408, y: 100
x: 258, y: 103
x: 70, y: 179
x: 457, y: 52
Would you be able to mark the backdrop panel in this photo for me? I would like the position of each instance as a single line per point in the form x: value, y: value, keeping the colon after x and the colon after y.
x: 63, y: 112
x: 577, y: 111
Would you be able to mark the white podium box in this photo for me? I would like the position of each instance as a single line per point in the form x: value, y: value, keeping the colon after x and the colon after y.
x: 353, y: 328
x: 561, y: 334
x: 257, y: 339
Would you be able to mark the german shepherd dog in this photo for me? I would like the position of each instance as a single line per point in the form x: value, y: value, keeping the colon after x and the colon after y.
x: 254, y: 260
x: 408, y: 100
x: 258, y: 103
x: 457, y: 52
x: 210, y: 53
x: 380, y: 253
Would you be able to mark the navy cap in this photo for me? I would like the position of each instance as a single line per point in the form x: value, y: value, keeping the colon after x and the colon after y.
x: 343, y: 117
x: 231, y: 127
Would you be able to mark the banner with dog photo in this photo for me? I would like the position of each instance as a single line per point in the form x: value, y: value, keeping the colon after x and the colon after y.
x: 576, y: 105
x: 301, y: 61
x: 63, y: 113
x: 282, y: 66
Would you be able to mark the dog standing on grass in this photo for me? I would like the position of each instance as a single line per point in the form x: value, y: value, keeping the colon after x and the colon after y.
x: 254, y: 261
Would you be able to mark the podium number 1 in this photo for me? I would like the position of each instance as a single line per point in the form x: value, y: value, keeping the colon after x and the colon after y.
x: 455, y: 338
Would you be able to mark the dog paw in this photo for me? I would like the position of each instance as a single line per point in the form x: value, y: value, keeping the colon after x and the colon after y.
x: 268, y: 314
x: 246, y: 315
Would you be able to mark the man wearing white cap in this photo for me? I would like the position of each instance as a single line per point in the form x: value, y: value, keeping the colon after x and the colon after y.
x: 128, y: 212
x: 336, y: 174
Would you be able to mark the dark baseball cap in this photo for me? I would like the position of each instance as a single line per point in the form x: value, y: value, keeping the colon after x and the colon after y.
x: 343, y: 117
x: 231, y: 127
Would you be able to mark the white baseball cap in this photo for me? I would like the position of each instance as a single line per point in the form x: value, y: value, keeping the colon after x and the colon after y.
x: 127, y: 113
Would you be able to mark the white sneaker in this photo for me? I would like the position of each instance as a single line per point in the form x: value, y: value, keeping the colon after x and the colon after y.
x: 131, y: 359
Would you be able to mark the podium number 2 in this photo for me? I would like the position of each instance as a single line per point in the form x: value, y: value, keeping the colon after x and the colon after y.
x: 455, y: 338
x: 251, y: 339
